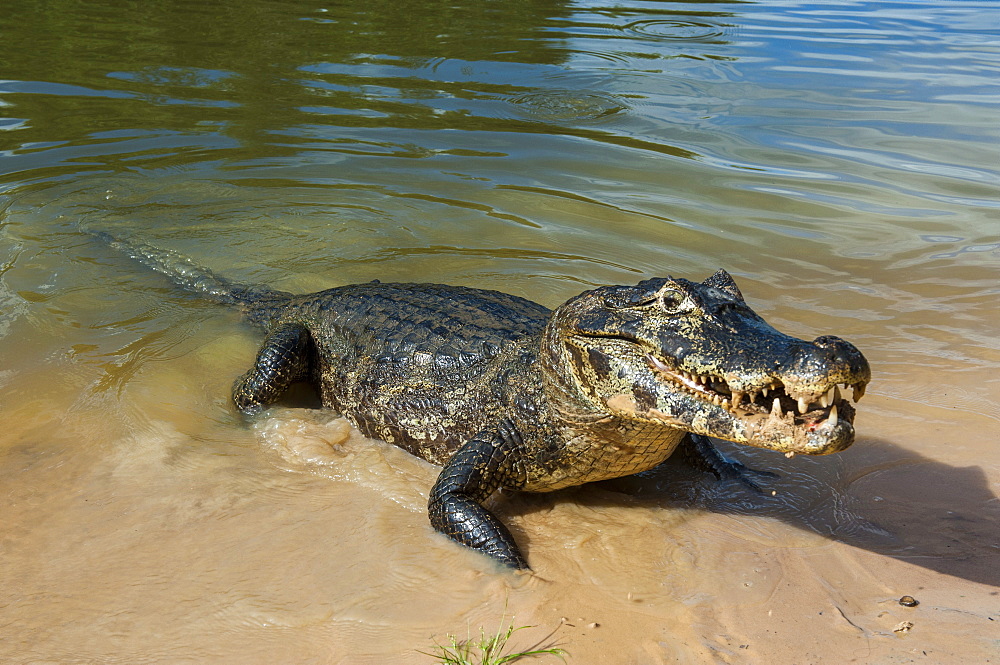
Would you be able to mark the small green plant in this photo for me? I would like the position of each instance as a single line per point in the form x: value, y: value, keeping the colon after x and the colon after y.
x: 489, y: 649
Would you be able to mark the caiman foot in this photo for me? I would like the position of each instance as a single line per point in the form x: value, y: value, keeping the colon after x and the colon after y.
x: 707, y: 457
x: 482, y: 465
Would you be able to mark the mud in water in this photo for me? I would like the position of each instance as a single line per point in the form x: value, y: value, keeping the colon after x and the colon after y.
x: 839, y: 161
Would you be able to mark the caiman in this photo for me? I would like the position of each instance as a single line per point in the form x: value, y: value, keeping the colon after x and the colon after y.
x: 505, y: 393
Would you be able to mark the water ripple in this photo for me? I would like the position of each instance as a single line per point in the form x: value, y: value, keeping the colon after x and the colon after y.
x: 568, y: 105
x: 674, y: 30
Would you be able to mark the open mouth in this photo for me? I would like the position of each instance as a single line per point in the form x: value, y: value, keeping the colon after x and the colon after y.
x: 768, y: 401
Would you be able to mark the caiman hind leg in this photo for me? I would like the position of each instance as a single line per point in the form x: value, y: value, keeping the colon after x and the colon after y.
x: 700, y: 451
x: 488, y: 461
x: 283, y: 359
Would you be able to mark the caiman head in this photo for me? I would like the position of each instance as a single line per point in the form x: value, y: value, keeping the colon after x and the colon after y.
x: 694, y: 356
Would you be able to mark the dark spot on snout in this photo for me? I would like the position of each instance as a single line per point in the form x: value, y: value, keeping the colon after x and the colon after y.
x: 673, y: 344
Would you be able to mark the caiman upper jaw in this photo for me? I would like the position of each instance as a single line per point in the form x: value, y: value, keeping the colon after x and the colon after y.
x: 767, y: 395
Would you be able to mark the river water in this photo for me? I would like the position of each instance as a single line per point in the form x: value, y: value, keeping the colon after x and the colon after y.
x: 840, y: 159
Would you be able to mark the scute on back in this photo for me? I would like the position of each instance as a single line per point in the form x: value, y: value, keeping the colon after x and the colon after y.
x: 456, y: 323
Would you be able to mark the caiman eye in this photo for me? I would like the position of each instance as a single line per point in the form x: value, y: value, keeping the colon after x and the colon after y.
x: 671, y: 301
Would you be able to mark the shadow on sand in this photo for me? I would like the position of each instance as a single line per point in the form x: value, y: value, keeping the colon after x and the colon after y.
x: 896, y: 503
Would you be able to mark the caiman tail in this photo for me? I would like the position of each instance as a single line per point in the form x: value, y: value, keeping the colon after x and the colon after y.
x: 258, y: 302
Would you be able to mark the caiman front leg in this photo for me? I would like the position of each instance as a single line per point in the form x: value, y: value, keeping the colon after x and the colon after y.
x: 283, y: 359
x: 704, y: 455
x: 482, y: 465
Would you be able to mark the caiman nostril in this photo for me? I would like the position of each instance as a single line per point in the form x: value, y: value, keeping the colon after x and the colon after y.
x: 835, y: 345
x: 842, y: 352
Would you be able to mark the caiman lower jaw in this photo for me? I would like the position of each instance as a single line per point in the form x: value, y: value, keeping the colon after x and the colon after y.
x: 770, y: 409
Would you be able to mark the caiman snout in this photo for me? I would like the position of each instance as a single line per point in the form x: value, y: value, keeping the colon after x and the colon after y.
x: 827, y: 360
x: 803, y: 410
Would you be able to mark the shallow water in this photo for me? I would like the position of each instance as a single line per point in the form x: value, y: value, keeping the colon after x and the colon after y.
x: 838, y: 158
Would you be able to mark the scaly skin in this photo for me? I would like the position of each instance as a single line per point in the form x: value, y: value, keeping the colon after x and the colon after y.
x: 503, y: 392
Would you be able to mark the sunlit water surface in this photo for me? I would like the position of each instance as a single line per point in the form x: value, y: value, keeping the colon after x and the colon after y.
x: 840, y: 159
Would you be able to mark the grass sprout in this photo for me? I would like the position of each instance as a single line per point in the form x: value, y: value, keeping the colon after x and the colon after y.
x: 489, y: 649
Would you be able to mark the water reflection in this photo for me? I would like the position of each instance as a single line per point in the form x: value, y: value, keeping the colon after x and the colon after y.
x: 290, y: 67
x: 256, y: 62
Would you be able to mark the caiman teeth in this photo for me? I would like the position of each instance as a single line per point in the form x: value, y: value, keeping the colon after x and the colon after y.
x: 810, y: 411
x: 831, y: 396
x: 822, y: 408
x: 859, y: 391
x: 700, y: 384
